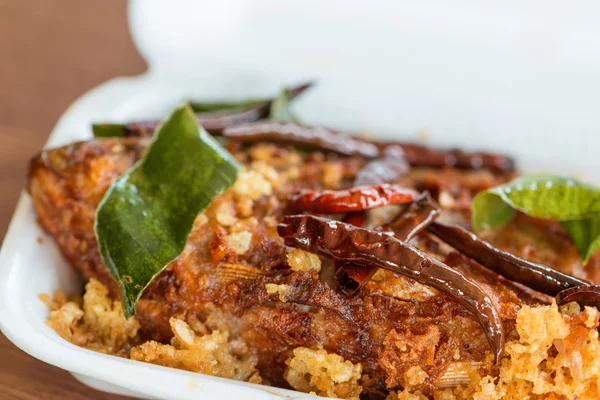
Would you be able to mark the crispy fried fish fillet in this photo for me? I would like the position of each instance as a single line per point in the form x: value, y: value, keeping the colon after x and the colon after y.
x: 236, y: 270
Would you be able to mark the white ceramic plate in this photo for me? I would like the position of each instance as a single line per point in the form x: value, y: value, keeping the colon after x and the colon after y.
x: 512, y: 77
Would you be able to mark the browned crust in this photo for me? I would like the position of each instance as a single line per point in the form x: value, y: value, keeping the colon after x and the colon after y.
x: 66, y: 185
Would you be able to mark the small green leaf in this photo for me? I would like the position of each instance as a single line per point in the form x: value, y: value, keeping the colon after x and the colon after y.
x: 143, y: 221
x: 551, y: 197
x: 490, y: 211
x: 280, y: 107
x: 574, y: 203
x: 585, y: 234
x: 263, y: 108
x: 108, y: 130
x: 213, y: 107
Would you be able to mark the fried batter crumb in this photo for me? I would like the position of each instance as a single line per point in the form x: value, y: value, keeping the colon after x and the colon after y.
x: 416, y: 376
x: 301, y: 260
x: 253, y: 185
x: 555, y: 357
x: 333, y: 174
x: 211, y: 354
x: 403, y: 349
x: 96, y: 322
x: 316, y: 371
x: 239, y: 242
x: 281, y: 290
x: 268, y: 172
x: 406, y: 395
x: 400, y: 287
x: 226, y: 214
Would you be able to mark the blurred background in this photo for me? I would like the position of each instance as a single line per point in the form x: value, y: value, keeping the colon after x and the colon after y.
x: 51, y: 52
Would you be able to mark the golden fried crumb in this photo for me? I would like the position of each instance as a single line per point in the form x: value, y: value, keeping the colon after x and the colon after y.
x: 323, y: 373
x: 281, y: 290
x: 415, y: 376
x: 226, y: 214
x: 301, y: 260
x: 292, y: 173
x: 54, y: 303
x: 446, y: 200
x: 400, y: 287
x: 96, y: 323
x: 333, y: 174
x: 534, y: 372
x: 65, y: 320
x: 406, y: 395
x: 244, y: 206
x: 246, y: 224
x: 406, y: 348
x: 262, y: 151
x: 555, y: 357
x: 239, y: 242
x: 211, y: 354
x: 253, y: 185
x: 268, y: 172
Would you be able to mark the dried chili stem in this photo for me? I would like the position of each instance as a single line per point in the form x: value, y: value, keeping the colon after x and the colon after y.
x: 536, y: 276
x: 388, y: 169
x: 585, y: 295
x: 423, y: 156
x: 212, y: 122
x: 300, y: 135
x: 405, y: 226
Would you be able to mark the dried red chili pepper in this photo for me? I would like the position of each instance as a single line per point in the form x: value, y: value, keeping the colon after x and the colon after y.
x: 405, y: 226
x: 351, y: 278
x: 347, y: 144
x: 348, y: 275
x: 536, y: 276
x: 300, y: 135
x: 423, y: 156
x: 356, y: 218
x: 355, y: 199
x: 418, y: 216
x: 585, y: 295
x: 215, y: 122
x: 388, y: 169
x: 344, y: 242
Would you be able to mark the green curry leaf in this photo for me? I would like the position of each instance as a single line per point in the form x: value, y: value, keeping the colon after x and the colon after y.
x: 109, y: 130
x: 143, y: 221
x: 214, y: 107
x: 280, y: 107
x: 277, y: 109
x: 574, y: 203
x: 490, y: 211
x: 585, y: 233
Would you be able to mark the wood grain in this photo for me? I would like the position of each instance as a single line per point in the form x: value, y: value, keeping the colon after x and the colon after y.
x: 51, y: 52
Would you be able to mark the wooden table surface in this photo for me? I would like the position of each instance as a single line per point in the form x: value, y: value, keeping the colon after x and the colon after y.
x: 51, y: 52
